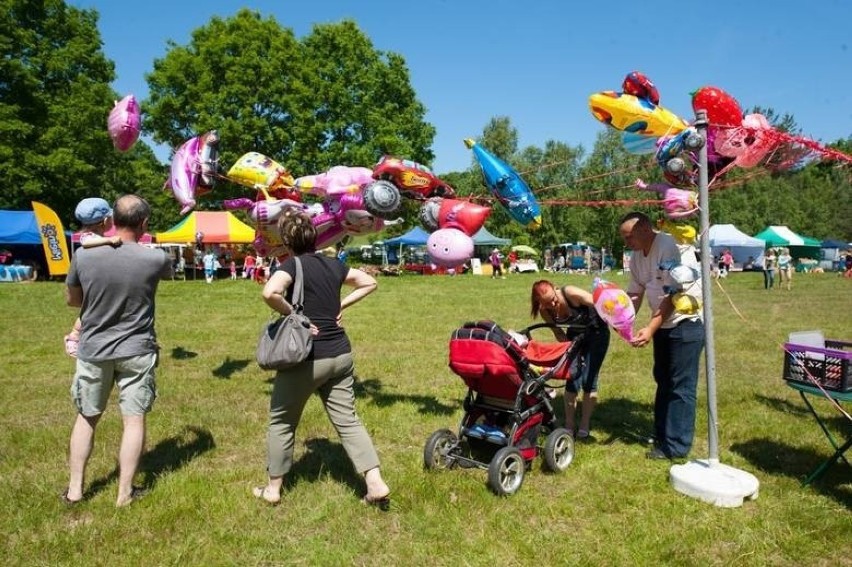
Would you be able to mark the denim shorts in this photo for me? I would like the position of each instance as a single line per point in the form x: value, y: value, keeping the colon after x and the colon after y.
x: 134, y: 376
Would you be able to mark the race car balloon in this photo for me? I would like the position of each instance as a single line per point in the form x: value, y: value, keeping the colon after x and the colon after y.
x: 629, y: 113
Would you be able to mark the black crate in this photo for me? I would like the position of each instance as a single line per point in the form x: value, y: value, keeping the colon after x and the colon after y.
x: 831, y: 366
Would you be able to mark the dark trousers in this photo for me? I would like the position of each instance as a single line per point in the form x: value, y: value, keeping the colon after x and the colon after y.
x: 677, y: 353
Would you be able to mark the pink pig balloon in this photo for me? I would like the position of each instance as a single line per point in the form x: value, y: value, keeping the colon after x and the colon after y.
x: 449, y: 247
x: 615, y: 307
x: 124, y: 122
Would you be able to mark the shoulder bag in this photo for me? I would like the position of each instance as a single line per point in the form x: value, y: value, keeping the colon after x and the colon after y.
x: 287, y: 341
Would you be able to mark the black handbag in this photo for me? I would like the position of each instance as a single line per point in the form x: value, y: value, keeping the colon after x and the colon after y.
x: 287, y: 341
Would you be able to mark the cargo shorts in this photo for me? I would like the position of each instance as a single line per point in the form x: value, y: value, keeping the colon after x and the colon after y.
x: 134, y: 376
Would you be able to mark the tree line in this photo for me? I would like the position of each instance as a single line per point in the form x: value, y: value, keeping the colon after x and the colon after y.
x: 325, y: 99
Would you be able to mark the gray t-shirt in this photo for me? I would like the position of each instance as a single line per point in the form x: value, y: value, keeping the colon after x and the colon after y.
x: 119, y: 285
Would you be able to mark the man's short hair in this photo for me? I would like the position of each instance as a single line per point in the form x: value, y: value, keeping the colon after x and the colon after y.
x: 640, y: 218
x: 130, y: 211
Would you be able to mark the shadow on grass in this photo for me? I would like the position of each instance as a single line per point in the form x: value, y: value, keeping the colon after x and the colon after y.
x: 229, y: 367
x: 373, y: 389
x: 622, y: 419
x: 800, y: 409
x: 776, y: 458
x: 325, y: 457
x: 168, y: 455
x: 427, y: 404
x: 180, y: 353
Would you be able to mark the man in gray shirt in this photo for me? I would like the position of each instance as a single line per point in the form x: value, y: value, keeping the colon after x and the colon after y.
x: 115, y: 286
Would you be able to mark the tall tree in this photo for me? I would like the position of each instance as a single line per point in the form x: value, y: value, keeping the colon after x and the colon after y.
x: 327, y: 100
x: 54, y: 102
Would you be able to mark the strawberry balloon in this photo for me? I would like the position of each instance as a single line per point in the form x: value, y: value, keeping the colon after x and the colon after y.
x: 722, y: 109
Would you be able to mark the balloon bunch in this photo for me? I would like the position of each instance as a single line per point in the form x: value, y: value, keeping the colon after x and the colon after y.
x: 615, y: 307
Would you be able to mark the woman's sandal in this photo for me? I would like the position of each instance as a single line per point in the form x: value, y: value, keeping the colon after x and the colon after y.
x: 382, y: 502
x: 259, y: 492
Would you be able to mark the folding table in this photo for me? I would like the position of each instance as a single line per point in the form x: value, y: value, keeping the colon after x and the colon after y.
x: 839, y: 450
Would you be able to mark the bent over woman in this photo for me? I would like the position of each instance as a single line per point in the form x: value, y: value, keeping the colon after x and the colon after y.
x: 329, y: 369
x: 570, y: 304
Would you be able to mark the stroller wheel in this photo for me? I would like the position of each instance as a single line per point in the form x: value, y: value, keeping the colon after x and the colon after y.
x: 506, y: 471
x: 436, y: 453
x: 559, y: 449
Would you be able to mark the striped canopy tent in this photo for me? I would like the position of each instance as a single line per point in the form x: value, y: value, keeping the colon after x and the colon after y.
x: 216, y: 227
x: 781, y: 236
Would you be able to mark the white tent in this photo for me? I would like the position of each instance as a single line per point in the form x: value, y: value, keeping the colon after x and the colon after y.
x: 740, y: 244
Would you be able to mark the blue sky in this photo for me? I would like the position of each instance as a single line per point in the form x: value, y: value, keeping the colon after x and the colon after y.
x: 537, y: 61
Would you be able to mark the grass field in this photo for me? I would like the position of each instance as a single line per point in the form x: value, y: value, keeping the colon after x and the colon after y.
x: 207, y: 436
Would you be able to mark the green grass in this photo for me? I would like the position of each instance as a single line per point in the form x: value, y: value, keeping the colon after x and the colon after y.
x: 207, y: 435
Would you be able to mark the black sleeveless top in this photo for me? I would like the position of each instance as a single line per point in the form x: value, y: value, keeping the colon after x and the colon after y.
x: 579, y: 315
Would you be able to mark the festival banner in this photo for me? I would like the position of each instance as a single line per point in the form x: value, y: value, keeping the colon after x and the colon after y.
x: 52, y: 239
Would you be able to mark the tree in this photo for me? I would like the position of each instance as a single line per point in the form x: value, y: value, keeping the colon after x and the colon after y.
x: 54, y: 102
x: 327, y: 100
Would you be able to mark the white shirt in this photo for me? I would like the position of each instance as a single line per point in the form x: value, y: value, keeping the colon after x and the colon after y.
x: 649, y: 274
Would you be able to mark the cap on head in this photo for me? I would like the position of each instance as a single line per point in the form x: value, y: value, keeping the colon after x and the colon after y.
x: 92, y: 210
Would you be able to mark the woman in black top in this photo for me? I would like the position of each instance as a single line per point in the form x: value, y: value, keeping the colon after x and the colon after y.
x: 329, y: 369
x: 570, y: 304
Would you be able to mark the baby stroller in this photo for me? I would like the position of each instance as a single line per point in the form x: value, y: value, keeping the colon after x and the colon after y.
x: 508, y: 407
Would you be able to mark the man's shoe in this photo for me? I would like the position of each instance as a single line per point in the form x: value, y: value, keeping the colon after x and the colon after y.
x: 656, y: 453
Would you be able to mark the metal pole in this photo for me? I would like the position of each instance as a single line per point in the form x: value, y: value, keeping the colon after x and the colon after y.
x: 707, y: 290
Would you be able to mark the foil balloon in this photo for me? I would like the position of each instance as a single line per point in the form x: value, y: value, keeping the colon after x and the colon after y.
x: 449, y: 247
x: 184, y: 172
x: 749, y: 143
x: 265, y: 216
x: 337, y: 180
x: 722, y: 109
x: 342, y: 215
x: 124, y: 122
x: 263, y: 174
x: 615, y: 307
x: 629, y: 113
x: 208, y: 159
x: 677, y: 203
x: 507, y: 186
x: 638, y: 85
x: 637, y: 144
x: 465, y: 216
x: 683, y: 234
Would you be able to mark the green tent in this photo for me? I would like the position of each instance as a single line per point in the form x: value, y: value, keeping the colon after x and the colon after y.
x: 781, y: 236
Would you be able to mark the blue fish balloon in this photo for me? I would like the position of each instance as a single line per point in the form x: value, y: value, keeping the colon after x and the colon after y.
x: 507, y: 186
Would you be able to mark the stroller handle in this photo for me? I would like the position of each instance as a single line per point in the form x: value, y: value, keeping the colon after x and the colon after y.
x: 567, y: 328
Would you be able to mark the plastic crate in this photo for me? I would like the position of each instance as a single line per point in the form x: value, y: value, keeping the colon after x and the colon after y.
x: 831, y: 366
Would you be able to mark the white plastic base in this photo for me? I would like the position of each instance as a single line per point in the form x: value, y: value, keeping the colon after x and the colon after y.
x: 714, y: 482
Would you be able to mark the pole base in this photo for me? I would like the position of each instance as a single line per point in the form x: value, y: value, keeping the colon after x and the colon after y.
x: 715, y: 483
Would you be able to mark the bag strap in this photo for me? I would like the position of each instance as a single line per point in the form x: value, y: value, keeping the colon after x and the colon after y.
x: 298, y: 286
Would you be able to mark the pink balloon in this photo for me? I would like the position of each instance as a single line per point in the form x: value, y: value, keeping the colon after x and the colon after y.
x: 749, y: 143
x: 265, y: 216
x: 183, y: 176
x: 615, y: 307
x: 342, y: 215
x: 336, y: 181
x: 449, y: 247
x: 677, y: 203
x: 124, y: 123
